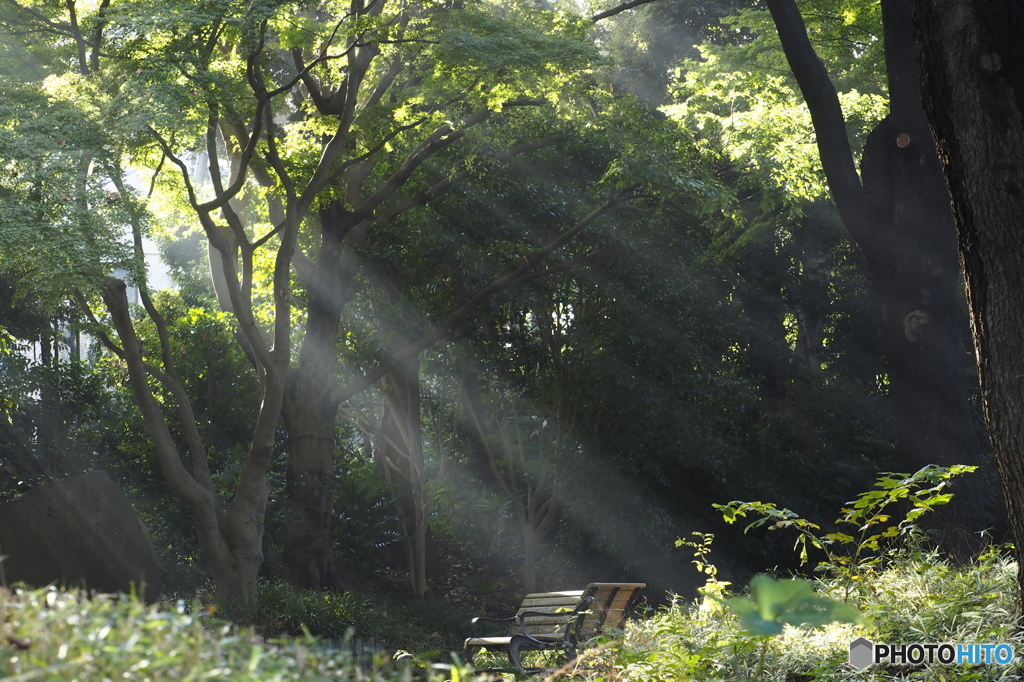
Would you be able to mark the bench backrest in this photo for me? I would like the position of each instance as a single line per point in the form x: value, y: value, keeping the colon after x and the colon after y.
x: 555, y: 605
x: 613, y: 604
x: 611, y: 607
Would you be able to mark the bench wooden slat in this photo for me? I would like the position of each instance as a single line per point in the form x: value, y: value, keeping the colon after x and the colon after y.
x: 554, y: 599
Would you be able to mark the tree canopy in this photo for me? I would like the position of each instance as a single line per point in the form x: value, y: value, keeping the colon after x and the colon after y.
x: 437, y: 258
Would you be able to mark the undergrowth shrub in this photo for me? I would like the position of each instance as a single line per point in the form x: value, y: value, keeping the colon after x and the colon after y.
x: 288, y: 610
x: 431, y: 626
x: 909, y: 595
x: 873, y: 529
x: 53, y: 635
x: 918, y: 597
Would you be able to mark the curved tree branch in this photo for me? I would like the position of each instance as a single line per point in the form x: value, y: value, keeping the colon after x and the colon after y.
x: 827, y: 116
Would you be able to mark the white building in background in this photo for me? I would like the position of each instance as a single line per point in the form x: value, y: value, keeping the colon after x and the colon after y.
x: 157, y: 275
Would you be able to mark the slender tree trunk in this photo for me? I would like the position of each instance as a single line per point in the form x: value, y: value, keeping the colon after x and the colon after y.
x: 764, y: 306
x: 526, y: 481
x: 399, y: 456
x: 973, y: 83
x: 529, y: 568
x: 231, y: 540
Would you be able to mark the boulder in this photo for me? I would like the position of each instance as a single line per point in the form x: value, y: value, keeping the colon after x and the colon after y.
x: 79, y: 532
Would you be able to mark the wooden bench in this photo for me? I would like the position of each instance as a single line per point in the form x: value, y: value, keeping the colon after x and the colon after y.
x: 556, y: 621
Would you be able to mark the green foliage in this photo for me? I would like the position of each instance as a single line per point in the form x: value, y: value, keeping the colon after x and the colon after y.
x: 365, y: 523
x: 61, y: 228
x: 759, y: 122
x: 740, y: 98
x: 846, y: 34
x: 701, y: 545
x: 431, y: 626
x: 651, y: 356
x: 870, y: 515
x: 774, y: 603
x: 288, y: 610
x: 65, y: 635
x: 55, y: 420
x: 477, y: 44
x: 917, y: 598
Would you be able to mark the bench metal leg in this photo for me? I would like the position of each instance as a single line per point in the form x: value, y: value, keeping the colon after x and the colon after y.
x: 513, y: 654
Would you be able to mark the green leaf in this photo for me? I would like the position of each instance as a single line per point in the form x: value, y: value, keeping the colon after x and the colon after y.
x: 774, y: 603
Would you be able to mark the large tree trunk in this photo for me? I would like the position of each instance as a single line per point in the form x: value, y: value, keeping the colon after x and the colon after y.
x: 897, y: 214
x: 308, y: 548
x: 973, y: 81
x: 311, y: 412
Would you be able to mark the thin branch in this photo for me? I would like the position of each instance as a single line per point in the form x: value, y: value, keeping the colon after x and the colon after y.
x: 243, y: 314
x: 180, y: 481
x: 62, y: 28
x: 170, y: 378
x: 193, y: 200
x: 440, y: 139
x: 304, y: 73
x: 380, y: 145
x: 97, y: 329
x: 443, y: 185
x: 97, y: 34
x: 76, y: 33
x: 227, y: 210
x: 619, y: 9
x: 108, y: 343
x: 156, y: 174
x: 481, y: 434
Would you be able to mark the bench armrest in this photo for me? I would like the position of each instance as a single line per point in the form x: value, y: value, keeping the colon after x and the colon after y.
x: 474, y: 625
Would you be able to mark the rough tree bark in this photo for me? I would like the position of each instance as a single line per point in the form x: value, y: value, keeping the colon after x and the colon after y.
x: 897, y: 214
x: 399, y: 458
x: 973, y: 83
x: 311, y: 408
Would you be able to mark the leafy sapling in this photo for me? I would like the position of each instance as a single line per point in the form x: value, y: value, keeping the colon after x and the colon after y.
x: 714, y: 589
x: 850, y: 555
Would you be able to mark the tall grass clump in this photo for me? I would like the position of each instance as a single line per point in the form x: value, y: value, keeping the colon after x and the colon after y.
x: 55, y: 635
x: 288, y: 610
